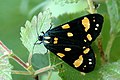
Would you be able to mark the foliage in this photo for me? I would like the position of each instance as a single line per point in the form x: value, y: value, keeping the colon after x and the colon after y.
x: 111, y: 71
x: 5, y: 66
x: 59, y: 11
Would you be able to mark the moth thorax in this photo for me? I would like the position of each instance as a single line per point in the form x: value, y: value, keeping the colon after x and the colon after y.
x: 40, y: 38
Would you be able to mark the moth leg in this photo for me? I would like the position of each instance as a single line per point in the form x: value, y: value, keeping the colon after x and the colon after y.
x: 35, y: 44
x: 50, y: 26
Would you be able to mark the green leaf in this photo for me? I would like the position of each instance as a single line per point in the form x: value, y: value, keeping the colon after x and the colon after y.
x: 111, y: 71
x: 113, y: 11
x: 118, y: 27
x: 65, y: 1
x: 67, y: 17
x: 5, y: 69
x: 59, y: 9
x: 66, y: 72
x: 29, y: 32
x: 51, y: 75
x: 55, y: 76
x: 40, y: 60
x: 5, y: 66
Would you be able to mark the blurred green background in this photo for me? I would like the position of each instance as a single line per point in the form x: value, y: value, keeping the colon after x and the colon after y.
x: 14, y: 13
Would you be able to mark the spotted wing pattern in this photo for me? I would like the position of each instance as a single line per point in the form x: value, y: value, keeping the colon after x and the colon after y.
x: 71, y: 41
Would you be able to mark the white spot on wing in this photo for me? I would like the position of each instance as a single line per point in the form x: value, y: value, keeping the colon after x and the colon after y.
x: 84, y: 65
x: 96, y: 28
x: 90, y: 59
x: 97, y: 25
x: 90, y: 62
x: 47, y: 37
x: 46, y: 42
x: 84, y: 47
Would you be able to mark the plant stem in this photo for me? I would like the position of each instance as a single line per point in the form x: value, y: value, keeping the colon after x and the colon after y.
x: 102, y: 54
x: 9, y: 53
x: 46, y: 69
x: 18, y: 60
x: 23, y: 64
x: 4, y: 48
x: 49, y: 74
x: 43, y: 70
x: 29, y: 58
x: 109, y: 45
x: 20, y: 72
x: 91, y: 7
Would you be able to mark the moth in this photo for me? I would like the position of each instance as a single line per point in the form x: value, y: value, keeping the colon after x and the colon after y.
x: 72, y: 40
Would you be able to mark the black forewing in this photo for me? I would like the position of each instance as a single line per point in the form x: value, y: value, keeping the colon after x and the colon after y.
x: 78, y: 30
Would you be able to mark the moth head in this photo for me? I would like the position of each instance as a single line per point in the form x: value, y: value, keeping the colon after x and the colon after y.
x: 40, y: 38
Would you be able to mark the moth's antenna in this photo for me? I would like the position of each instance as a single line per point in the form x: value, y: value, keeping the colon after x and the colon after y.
x: 50, y: 26
x: 37, y: 30
x: 37, y: 38
x: 34, y: 46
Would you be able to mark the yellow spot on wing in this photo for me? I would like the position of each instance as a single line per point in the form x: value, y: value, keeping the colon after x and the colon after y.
x: 69, y: 34
x: 55, y: 42
x: 78, y: 62
x: 66, y: 26
x: 67, y: 49
x: 86, y: 23
x: 89, y: 37
x: 61, y: 55
x: 86, y: 50
x: 55, y: 38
